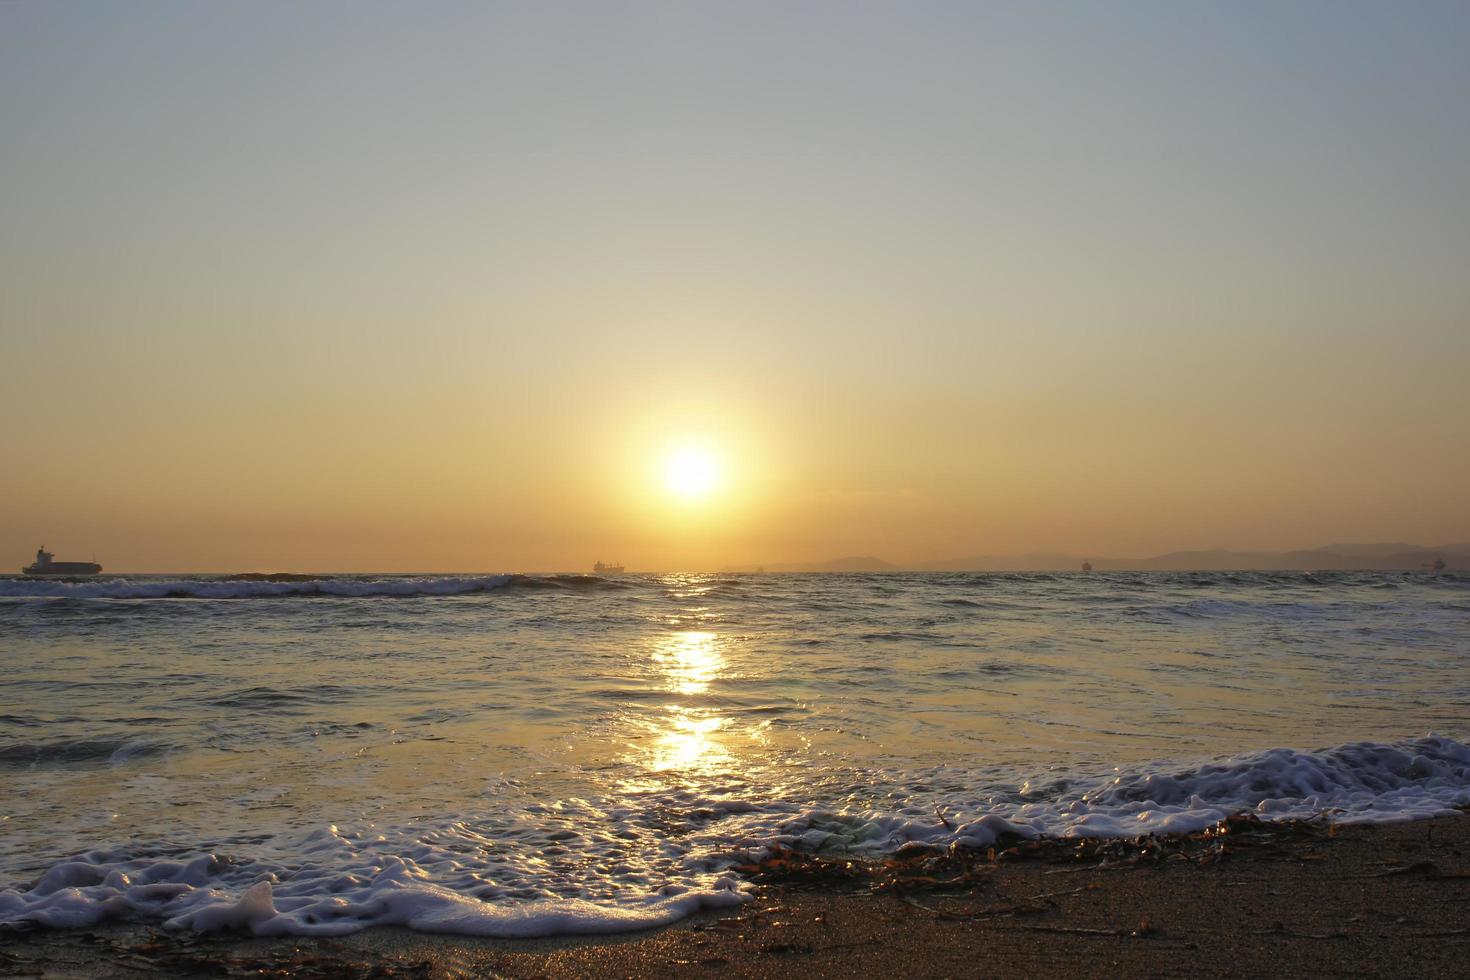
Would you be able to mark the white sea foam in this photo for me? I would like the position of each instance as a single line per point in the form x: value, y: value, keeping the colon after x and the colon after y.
x: 643, y: 859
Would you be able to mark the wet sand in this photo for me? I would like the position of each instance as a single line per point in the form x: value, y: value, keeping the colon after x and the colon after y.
x: 1255, y: 900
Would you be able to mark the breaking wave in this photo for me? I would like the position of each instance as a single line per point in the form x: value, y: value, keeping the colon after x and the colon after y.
x: 262, y: 586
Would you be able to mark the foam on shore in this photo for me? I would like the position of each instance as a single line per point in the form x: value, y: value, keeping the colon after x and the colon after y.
x: 645, y: 859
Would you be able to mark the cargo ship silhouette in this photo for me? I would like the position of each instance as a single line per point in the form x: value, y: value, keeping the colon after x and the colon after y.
x: 45, y: 564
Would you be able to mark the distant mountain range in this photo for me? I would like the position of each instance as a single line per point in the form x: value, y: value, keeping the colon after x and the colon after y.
x: 1333, y: 557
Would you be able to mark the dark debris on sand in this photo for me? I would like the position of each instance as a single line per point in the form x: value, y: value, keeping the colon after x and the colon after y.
x: 922, y: 867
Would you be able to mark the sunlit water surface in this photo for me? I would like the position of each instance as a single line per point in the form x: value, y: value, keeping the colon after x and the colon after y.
x: 523, y: 755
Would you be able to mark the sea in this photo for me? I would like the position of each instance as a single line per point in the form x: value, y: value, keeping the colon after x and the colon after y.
x: 525, y: 755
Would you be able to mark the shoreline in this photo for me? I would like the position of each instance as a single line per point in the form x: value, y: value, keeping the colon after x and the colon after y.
x: 1247, y: 898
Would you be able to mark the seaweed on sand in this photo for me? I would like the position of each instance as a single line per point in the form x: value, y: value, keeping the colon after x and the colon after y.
x: 920, y: 867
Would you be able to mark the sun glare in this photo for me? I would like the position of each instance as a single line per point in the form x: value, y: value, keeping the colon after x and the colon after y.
x: 691, y: 473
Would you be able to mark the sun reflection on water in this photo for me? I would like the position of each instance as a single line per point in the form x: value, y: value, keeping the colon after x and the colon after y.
x: 687, y: 734
x: 687, y: 744
x: 689, y: 661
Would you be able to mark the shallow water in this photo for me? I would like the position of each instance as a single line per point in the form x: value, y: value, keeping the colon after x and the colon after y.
x: 525, y: 755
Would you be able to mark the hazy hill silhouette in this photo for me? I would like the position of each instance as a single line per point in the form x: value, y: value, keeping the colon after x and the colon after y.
x: 852, y: 563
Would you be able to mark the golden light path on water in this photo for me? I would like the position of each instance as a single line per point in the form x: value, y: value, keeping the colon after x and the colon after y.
x: 690, y: 736
x: 690, y: 660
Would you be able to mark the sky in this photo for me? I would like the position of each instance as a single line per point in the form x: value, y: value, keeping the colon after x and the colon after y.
x: 442, y: 286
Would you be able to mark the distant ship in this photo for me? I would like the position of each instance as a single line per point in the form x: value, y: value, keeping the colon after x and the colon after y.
x: 1087, y: 566
x: 46, y: 565
x: 601, y: 569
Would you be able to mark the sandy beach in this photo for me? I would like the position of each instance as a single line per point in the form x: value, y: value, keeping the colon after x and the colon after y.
x: 1253, y: 900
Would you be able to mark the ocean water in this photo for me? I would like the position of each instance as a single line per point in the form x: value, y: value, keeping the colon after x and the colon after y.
x: 522, y: 755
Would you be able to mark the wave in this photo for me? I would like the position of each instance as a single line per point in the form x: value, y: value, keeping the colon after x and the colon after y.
x: 1227, y: 608
x: 267, y: 698
x: 286, y: 586
x: 619, y: 863
x: 81, y: 751
x: 263, y: 585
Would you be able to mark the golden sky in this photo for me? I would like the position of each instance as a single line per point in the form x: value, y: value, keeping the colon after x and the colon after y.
x: 441, y: 287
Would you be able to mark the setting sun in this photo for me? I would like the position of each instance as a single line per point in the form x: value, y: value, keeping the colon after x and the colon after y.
x: 691, y: 473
